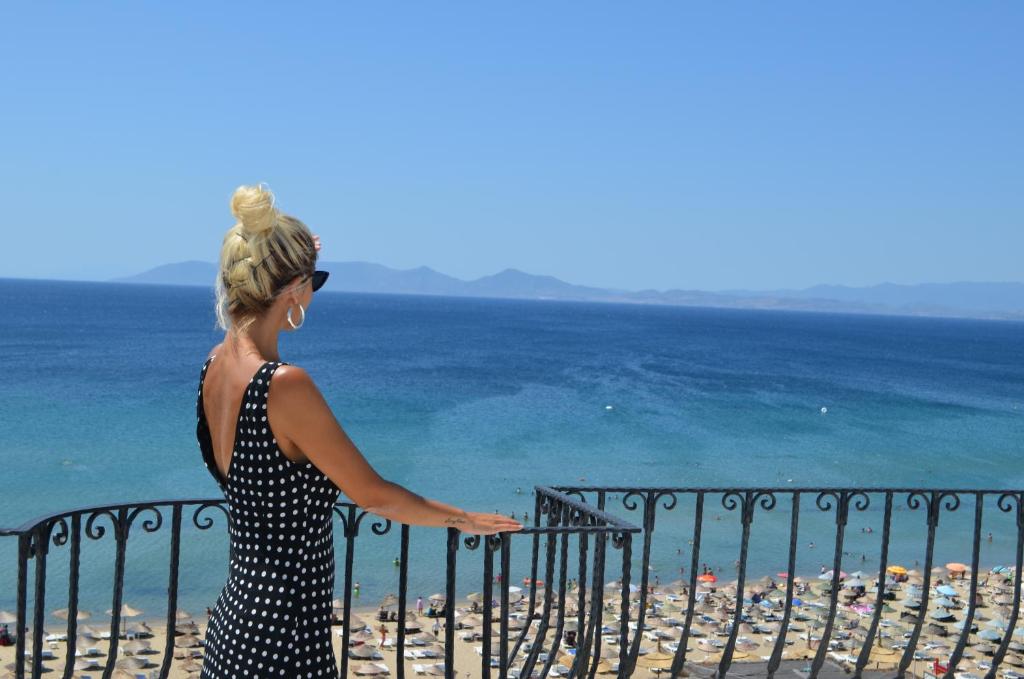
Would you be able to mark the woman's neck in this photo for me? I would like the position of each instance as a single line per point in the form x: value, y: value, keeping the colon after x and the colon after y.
x: 254, y: 340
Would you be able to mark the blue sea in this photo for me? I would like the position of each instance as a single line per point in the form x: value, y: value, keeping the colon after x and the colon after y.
x: 474, y: 402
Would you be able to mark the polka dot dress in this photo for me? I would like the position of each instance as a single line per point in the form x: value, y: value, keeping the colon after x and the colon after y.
x: 273, y: 617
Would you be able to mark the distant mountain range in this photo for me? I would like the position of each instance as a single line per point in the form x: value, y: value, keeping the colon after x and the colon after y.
x: 972, y: 300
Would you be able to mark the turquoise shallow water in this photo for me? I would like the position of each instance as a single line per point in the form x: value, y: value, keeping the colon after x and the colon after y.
x: 467, y: 400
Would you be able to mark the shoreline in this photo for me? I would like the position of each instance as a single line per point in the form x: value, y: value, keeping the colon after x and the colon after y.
x: 715, y: 607
x: 751, y: 582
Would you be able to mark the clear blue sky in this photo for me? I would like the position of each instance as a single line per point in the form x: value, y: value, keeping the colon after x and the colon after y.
x: 657, y: 144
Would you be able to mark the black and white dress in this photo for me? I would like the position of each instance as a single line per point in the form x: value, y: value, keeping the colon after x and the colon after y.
x: 273, y: 617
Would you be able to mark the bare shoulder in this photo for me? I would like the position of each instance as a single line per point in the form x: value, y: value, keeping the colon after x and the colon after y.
x: 214, y: 351
x: 291, y: 377
x: 293, y: 386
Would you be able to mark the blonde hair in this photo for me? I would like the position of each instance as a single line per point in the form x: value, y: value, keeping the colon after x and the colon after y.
x: 263, y: 251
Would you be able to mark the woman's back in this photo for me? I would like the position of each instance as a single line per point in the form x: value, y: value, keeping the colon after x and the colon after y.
x: 281, y: 574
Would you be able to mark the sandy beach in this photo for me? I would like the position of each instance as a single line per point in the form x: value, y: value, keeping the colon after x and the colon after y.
x: 663, y: 626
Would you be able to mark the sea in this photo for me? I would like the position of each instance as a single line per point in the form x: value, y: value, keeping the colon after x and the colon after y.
x: 474, y: 402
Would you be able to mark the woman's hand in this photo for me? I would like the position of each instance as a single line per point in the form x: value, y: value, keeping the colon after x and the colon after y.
x: 316, y: 243
x: 482, y: 523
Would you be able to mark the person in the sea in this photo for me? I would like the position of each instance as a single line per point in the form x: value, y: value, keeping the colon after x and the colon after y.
x: 271, y: 442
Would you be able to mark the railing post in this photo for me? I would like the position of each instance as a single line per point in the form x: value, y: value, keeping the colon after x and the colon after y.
x: 350, y: 527
x: 449, y: 605
x: 506, y: 573
x: 403, y: 588
x: 581, y: 618
x: 488, y: 597
x: 24, y: 549
x: 40, y: 550
x: 968, y: 620
x: 172, y: 590
x: 627, y: 558
x: 780, y: 641
x: 869, y: 641
x: 121, y: 545
x: 698, y: 522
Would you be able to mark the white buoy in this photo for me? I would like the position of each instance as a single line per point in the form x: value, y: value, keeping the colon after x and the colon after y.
x: 607, y: 407
x: 824, y: 410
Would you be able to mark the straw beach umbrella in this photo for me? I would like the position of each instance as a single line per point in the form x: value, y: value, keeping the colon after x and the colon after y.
x: 362, y: 651
x: 187, y: 628
x: 372, y: 669
x: 360, y: 636
x: 126, y: 612
x: 187, y: 641
x: 131, y: 663
x: 656, y: 659
x: 190, y: 666
x: 136, y: 646
x: 85, y: 664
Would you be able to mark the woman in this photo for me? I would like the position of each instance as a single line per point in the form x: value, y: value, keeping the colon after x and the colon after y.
x: 281, y: 459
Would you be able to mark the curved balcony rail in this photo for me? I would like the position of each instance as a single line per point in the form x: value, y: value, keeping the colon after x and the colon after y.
x: 557, y: 517
x: 603, y: 625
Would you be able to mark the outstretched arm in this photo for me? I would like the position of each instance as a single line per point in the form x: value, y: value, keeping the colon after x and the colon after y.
x: 302, y: 417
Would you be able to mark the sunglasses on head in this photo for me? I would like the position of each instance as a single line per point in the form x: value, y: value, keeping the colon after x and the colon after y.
x: 319, y: 278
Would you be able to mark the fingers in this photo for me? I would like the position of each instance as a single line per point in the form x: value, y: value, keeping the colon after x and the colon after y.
x: 496, y: 524
x: 316, y: 242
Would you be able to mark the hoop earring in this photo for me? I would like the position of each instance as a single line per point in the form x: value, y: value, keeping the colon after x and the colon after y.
x: 302, y: 317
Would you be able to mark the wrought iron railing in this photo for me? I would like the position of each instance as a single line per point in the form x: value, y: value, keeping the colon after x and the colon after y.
x: 556, y: 517
x: 579, y: 516
x: 839, y: 502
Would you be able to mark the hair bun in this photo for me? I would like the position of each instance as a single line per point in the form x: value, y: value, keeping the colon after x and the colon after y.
x: 253, y: 206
